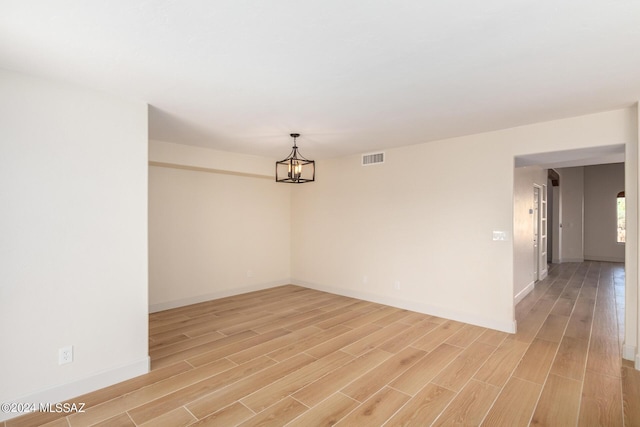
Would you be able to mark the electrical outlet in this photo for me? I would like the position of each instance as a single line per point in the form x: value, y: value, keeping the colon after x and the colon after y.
x: 396, y: 285
x: 365, y: 280
x: 65, y: 355
x: 249, y: 273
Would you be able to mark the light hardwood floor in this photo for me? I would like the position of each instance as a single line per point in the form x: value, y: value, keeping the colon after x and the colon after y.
x: 299, y: 357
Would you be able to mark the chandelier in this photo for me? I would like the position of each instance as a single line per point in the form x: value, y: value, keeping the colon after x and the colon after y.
x: 295, y: 169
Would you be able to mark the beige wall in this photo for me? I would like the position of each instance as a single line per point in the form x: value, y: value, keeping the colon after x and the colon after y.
x: 73, y: 191
x: 425, y: 219
x: 572, y: 213
x: 589, y: 212
x: 214, y: 234
x: 631, y: 254
x: 179, y: 155
x: 406, y: 221
x: 523, y: 251
x: 602, y: 183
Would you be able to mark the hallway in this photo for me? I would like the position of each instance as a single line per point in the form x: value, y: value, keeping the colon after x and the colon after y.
x: 574, y: 320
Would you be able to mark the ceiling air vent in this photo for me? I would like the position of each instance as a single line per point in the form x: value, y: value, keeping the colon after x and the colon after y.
x: 372, y: 159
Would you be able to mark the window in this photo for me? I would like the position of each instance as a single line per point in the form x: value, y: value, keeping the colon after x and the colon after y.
x: 621, y: 218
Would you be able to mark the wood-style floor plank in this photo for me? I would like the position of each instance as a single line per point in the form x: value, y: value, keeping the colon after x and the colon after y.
x: 374, y: 339
x: 212, y: 402
x: 293, y: 382
x: 277, y: 415
x: 571, y: 358
x: 500, y: 365
x: 529, y: 326
x: 426, y: 369
x: 177, y: 418
x: 423, y: 408
x: 470, y: 406
x: 438, y: 335
x: 378, y: 377
x: 514, y: 405
x: 579, y: 325
x: 138, y: 397
x: 231, y: 415
x: 558, y: 403
x: 231, y: 345
x: 537, y: 360
x: 342, y: 340
x: 553, y: 328
x: 375, y: 410
x: 602, y: 403
x: 326, y: 413
x: 331, y: 383
x: 298, y: 357
x: 304, y: 344
x: 465, y: 336
x: 210, y: 352
x: 631, y: 393
x: 410, y: 334
x: 464, y: 366
x: 184, y: 395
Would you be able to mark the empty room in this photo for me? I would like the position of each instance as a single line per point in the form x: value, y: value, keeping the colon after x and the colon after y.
x: 294, y: 213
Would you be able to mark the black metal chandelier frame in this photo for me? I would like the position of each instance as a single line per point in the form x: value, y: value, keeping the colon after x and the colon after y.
x: 295, y: 168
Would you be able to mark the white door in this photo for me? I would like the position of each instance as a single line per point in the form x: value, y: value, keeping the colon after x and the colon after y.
x: 542, y: 234
x: 536, y: 232
x: 539, y: 232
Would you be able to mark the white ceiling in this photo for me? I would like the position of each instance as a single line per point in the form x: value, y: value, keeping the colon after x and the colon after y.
x: 351, y: 75
x: 570, y: 158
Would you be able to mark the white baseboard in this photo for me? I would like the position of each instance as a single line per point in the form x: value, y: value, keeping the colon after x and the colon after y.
x: 572, y: 260
x: 603, y: 258
x: 523, y: 293
x: 543, y: 274
x: 504, y: 326
x: 66, y: 392
x: 161, y: 306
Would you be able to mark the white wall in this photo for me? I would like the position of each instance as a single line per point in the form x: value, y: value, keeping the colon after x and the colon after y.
x: 214, y: 232
x: 631, y: 254
x: 73, y: 252
x: 523, y: 251
x: 572, y: 216
x: 425, y: 218
x: 602, y: 183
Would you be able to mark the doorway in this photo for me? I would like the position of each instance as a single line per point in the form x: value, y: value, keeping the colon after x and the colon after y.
x: 561, y: 221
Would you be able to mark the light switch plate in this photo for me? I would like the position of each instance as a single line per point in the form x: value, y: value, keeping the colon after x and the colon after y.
x: 499, y: 235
